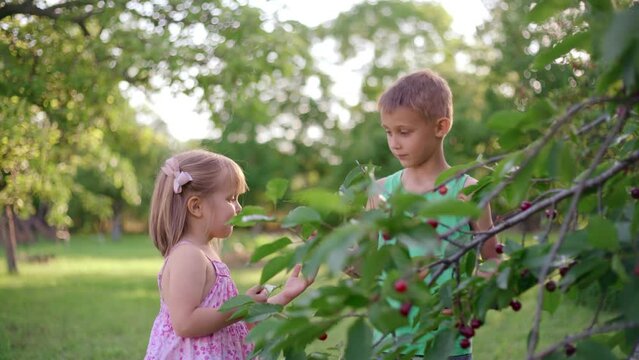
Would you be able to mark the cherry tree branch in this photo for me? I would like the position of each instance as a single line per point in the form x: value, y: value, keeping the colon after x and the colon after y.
x: 536, y: 207
x: 583, y: 335
x: 530, y: 154
x: 579, y: 188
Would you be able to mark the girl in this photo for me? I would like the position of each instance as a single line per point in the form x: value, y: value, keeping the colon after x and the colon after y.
x: 196, y: 194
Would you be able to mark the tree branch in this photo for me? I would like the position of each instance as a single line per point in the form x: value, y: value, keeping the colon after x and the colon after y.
x: 585, y: 334
x: 531, y: 153
x: 536, y: 207
x: 579, y: 188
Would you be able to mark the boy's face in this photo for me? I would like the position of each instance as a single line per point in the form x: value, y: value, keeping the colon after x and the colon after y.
x: 412, y: 139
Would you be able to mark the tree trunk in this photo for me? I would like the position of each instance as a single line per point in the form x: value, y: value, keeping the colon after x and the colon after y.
x: 10, y: 241
x: 116, y: 226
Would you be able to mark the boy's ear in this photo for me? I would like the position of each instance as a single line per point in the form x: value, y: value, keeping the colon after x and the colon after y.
x: 442, y: 127
x: 194, y: 206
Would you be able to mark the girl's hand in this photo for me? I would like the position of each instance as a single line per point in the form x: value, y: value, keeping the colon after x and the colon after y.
x: 294, y: 286
x: 258, y: 293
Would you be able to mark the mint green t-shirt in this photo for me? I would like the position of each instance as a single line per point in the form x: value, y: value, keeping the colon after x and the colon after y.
x: 394, y: 183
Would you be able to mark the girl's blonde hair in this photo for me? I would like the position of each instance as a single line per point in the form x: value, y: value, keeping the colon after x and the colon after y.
x: 210, y: 172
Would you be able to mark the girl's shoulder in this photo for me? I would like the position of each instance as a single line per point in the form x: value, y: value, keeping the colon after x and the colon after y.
x: 187, y: 255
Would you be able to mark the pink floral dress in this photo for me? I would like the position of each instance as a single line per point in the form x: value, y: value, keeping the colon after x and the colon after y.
x: 227, y: 344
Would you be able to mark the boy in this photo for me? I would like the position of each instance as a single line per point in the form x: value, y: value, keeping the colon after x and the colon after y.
x: 417, y: 114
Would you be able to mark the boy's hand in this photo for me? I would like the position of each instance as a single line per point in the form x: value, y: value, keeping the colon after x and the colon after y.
x: 258, y: 293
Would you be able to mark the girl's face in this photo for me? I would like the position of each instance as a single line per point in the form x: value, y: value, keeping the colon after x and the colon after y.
x: 221, y: 207
x: 412, y: 139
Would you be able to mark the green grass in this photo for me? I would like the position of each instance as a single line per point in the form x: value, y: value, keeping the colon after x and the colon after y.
x: 97, y: 299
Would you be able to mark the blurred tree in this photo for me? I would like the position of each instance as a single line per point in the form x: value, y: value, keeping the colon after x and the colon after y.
x: 64, y: 67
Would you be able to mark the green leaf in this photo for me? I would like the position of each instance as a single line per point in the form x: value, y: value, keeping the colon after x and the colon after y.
x: 301, y: 215
x: 235, y: 302
x: 360, y: 341
x: 602, y: 5
x: 452, y: 207
x: 445, y: 175
x: 544, y: 9
x: 275, y: 189
x: 602, y: 234
x: 621, y: 34
x: 260, y: 311
x: 385, y: 318
x: 502, y: 278
x: 322, y: 200
x: 268, y: 249
x: 551, y: 301
x: 591, y: 350
x: 505, y: 120
x: 580, y: 40
x: 249, y: 216
x: 443, y: 344
x: 274, y: 266
x: 618, y: 268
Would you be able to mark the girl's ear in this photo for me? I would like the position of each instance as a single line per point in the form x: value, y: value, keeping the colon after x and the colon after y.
x: 442, y: 127
x: 194, y: 206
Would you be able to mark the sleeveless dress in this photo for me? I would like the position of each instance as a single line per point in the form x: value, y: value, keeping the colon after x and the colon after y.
x: 225, y: 344
x: 393, y: 184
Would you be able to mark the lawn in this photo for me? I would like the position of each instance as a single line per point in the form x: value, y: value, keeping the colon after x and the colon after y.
x: 96, y: 299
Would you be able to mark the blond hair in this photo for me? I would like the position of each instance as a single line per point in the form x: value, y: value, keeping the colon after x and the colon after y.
x: 423, y: 91
x: 210, y: 172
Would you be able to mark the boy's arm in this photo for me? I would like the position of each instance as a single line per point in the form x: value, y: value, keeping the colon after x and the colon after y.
x: 485, y: 223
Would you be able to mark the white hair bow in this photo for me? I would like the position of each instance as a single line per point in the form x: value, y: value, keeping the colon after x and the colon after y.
x: 180, y: 178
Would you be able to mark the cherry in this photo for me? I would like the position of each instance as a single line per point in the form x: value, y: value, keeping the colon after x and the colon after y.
x: 405, y: 308
x: 443, y: 190
x: 401, y: 285
x: 386, y: 236
x: 551, y: 286
x: 323, y: 337
x: 432, y: 222
x: 499, y: 248
x: 525, y: 205
x: 515, y: 305
x: 551, y: 213
x: 464, y: 343
x: 563, y: 270
x: 475, y: 323
x: 634, y: 192
x: 467, y: 331
x: 570, y: 349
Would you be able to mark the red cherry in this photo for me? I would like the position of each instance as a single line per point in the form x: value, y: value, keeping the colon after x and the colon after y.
x: 401, y: 285
x: 432, y: 222
x: 525, y: 205
x: 551, y: 286
x: 570, y: 349
x: 464, y: 343
x: 386, y: 236
x: 405, y: 308
x: 515, y: 305
x: 323, y: 337
x: 443, y: 190
x: 499, y: 248
x: 634, y: 193
x: 551, y: 213
x: 467, y: 331
x: 563, y: 270
x: 475, y: 323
